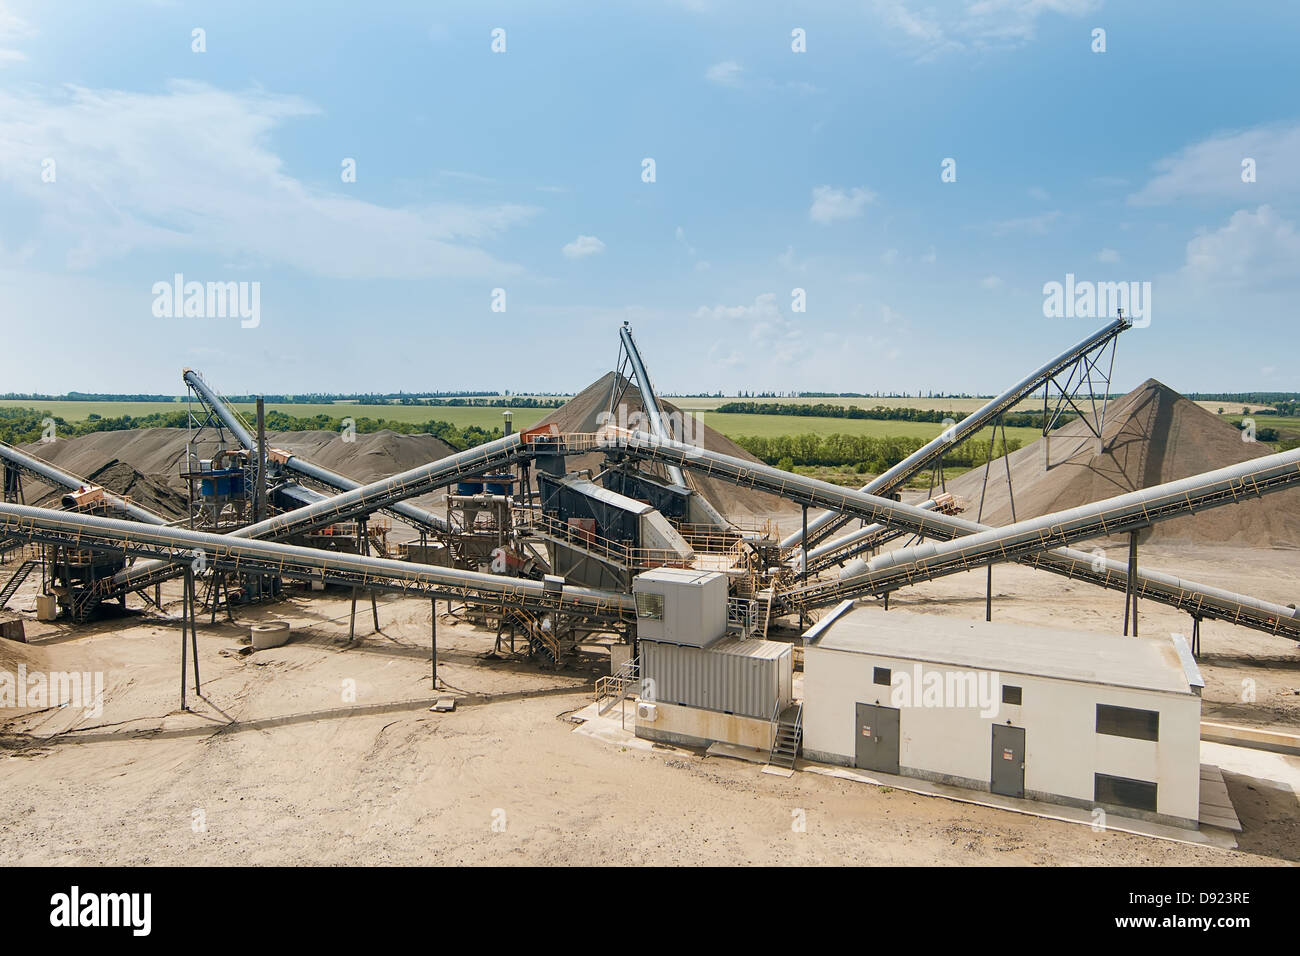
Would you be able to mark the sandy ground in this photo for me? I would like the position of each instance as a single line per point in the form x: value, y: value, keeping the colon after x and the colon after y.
x: 281, y: 764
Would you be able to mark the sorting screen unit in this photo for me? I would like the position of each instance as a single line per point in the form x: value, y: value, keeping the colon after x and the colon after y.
x: 1124, y: 792
x: 1128, y: 722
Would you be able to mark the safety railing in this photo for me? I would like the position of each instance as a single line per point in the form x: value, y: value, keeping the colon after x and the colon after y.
x: 617, y: 687
x: 546, y: 526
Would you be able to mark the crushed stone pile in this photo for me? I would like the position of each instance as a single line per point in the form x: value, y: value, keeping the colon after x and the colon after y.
x: 145, y: 463
x: 1152, y: 435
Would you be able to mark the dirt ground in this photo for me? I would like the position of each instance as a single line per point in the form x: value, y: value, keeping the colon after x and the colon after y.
x: 325, y: 752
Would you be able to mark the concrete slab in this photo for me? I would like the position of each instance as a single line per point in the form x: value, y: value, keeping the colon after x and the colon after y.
x: 609, y: 729
x: 749, y: 754
x: 778, y: 771
x: 1216, y: 806
x: 1273, y: 769
x: 1253, y: 737
x: 1207, y: 836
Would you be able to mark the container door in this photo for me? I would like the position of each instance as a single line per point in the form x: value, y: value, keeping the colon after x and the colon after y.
x: 1008, y: 775
x: 877, y: 738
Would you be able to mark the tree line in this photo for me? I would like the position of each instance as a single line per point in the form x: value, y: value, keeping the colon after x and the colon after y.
x: 23, y: 425
x: 879, y: 413
x: 867, y: 453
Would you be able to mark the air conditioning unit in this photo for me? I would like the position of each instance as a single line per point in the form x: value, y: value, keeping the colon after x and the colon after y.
x: 647, y: 712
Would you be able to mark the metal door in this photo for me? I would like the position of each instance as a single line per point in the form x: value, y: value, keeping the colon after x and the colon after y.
x: 877, y: 738
x: 1008, y: 775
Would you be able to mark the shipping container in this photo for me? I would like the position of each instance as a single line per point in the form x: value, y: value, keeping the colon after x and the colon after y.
x: 733, y: 676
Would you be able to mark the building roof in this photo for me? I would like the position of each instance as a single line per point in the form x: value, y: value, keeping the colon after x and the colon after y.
x: 679, y: 575
x: 742, y: 647
x: 1155, y: 664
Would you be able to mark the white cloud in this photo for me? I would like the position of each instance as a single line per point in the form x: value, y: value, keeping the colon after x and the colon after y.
x: 772, y: 335
x: 12, y: 28
x: 934, y: 27
x: 763, y: 307
x: 191, y: 169
x: 830, y: 204
x: 726, y: 73
x: 1033, y: 225
x: 1108, y: 255
x: 788, y: 261
x: 1255, y: 249
x: 681, y: 239
x: 1212, y: 168
x: 466, y: 177
x: 583, y: 246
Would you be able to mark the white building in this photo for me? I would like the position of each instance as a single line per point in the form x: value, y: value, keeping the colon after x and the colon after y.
x: 1083, y: 719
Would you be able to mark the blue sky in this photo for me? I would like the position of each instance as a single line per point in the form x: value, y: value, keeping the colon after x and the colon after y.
x: 775, y: 170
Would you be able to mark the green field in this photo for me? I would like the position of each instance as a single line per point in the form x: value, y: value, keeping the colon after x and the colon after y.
x: 966, y: 405
x: 1287, y: 428
x: 731, y: 425
x: 456, y: 414
x: 770, y: 426
x: 763, y: 426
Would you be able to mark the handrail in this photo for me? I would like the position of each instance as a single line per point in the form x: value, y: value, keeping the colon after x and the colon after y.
x: 605, y: 547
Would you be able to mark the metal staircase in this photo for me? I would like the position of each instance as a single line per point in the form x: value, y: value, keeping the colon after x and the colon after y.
x: 16, y: 580
x: 760, y: 631
x: 788, y: 738
x: 542, y: 643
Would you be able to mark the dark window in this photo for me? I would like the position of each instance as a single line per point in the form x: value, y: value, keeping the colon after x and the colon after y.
x: 1128, y: 722
x: 880, y: 675
x: 1123, y: 792
x: 1010, y: 695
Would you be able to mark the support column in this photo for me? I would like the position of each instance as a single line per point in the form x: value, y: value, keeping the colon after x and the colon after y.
x: 988, y: 594
x: 186, y: 604
x: 433, y: 641
x: 189, y: 623
x: 1130, y: 586
x: 194, y: 646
